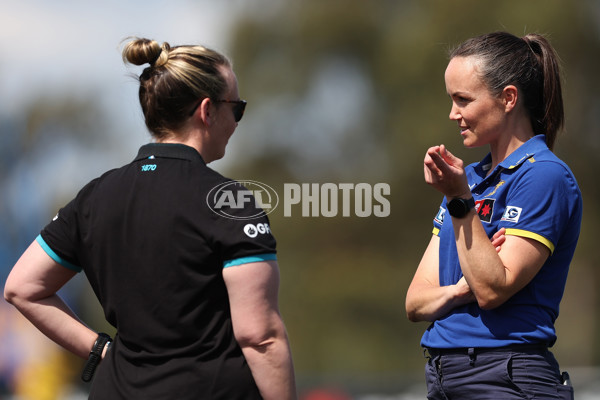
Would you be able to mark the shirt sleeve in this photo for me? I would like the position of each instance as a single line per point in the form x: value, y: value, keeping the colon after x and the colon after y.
x: 541, y: 204
x: 438, y: 220
x: 244, y: 235
x: 59, y: 238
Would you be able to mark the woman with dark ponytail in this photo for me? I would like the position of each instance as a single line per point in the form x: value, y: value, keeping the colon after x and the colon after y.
x: 493, y: 275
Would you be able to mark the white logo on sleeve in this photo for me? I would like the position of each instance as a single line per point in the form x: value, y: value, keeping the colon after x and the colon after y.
x: 439, y: 218
x: 511, y: 214
x: 252, y: 230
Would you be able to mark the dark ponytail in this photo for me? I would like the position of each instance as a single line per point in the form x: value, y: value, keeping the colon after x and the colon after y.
x: 552, y: 114
x: 531, y: 64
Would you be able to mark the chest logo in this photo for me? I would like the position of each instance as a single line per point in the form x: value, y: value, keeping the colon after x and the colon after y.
x: 485, y: 209
x: 148, y: 167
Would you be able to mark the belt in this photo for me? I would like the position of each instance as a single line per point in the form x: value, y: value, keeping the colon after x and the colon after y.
x: 470, y: 351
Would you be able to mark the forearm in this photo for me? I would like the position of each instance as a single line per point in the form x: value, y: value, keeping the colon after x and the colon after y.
x: 480, y: 263
x: 429, y: 302
x: 259, y: 329
x: 271, y: 364
x: 58, y: 322
x: 426, y: 300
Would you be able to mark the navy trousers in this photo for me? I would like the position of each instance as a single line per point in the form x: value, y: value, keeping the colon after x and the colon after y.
x: 495, y: 374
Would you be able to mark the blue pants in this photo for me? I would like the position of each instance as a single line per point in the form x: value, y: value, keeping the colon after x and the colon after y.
x: 495, y: 374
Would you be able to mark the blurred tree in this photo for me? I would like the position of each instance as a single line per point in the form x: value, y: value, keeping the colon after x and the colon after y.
x: 48, y: 128
x: 51, y: 146
x: 354, y: 91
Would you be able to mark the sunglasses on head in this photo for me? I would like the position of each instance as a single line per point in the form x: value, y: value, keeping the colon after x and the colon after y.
x: 239, y: 106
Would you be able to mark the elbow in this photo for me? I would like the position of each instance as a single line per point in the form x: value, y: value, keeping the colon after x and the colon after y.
x: 414, y: 314
x: 490, y: 296
x: 11, y: 294
x: 418, y: 316
x: 486, y: 305
x: 13, y: 289
x: 258, y: 345
x: 8, y: 296
x: 411, y: 306
x: 260, y: 337
x: 489, y: 305
x: 19, y: 294
x: 411, y: 313
x: 490, y: 301
x: 412, y: 317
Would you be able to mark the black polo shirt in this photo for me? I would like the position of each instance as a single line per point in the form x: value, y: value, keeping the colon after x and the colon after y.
x: 153, y: 251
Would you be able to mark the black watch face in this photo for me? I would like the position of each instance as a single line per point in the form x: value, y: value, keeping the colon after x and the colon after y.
x: 458, y: 208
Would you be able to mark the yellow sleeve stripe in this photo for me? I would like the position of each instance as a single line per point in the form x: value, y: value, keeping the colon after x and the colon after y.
x: 436, y: 231
x: 531, y: 235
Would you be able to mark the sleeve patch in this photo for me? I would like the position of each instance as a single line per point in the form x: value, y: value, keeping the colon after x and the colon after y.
x: 511, y: 214
x: 439, y: 218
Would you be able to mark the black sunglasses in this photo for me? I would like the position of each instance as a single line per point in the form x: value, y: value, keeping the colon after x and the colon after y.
x: 238, y: 108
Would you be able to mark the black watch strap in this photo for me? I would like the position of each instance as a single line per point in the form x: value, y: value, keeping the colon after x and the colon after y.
x: 95, y: 357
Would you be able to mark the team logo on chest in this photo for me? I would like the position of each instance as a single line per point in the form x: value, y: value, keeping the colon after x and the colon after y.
x: 485, y: 209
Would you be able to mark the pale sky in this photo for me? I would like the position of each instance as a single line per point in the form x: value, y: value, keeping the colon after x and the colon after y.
x: 67, y: 47
x: 70, y: 43
x: 73, y: 46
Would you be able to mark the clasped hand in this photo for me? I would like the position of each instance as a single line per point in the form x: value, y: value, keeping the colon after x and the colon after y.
x: 445, y: 172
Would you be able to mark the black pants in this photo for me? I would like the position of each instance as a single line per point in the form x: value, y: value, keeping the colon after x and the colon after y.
x: 498, y: 374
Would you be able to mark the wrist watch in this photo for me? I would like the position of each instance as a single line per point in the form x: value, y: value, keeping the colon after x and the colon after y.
x: 458, y: 207
x: 95, y: 357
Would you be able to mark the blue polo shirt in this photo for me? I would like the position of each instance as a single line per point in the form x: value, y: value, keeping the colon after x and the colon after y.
x: 533, y: 194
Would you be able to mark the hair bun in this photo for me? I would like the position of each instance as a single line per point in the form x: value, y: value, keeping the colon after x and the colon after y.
x: 141, y: 51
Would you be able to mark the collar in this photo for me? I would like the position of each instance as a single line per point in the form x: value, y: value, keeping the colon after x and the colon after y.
x: 168, y: 150
x: 517, y: 157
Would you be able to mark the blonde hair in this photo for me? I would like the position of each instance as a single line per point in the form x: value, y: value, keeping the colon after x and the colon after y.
x: 175, y: 80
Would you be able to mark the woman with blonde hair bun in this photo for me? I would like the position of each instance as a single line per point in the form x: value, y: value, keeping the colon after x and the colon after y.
x: 192, y: 294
